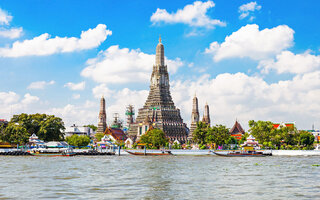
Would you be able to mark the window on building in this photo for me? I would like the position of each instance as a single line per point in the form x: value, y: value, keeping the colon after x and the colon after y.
x: 140, y: 130
x: 146, y: 128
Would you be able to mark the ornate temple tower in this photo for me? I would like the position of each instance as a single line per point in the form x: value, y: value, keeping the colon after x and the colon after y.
x: 194, y: 116
x: 102, y: 124
x: 130, y: 115
x: 159, y: 107
x: 206, y: 114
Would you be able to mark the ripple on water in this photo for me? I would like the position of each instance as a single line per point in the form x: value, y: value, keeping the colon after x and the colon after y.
x: 178, y: 177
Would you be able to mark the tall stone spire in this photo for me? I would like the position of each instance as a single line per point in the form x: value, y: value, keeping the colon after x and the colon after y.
x: 206, y: 114
x: 160, y: 53
x: 159, y: 105
x: 102, y: 124
x: 194, y: 116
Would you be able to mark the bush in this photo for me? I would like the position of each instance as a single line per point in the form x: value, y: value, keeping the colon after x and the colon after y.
x: 78, y: 141
x: 176, y: 146
x: 202, y: 147
x: 98, y: 136
x: 134, y: 145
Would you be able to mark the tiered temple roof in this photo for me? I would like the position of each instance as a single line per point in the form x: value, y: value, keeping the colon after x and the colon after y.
x: 237, y: 131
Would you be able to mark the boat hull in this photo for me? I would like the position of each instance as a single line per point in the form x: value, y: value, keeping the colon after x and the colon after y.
x: 241, y: 154
x: 52, y: 154
x: 164, y: 153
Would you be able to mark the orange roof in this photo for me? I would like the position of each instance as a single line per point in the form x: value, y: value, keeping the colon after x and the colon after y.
x: 276, y: 125
x: 116, y: 133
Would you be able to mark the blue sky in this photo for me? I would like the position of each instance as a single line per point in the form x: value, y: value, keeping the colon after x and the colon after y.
x: 262, y: 80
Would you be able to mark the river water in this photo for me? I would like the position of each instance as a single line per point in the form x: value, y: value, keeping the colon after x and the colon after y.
x: 171, y: 177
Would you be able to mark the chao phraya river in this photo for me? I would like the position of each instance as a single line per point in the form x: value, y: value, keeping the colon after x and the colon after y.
x: 171, y: 177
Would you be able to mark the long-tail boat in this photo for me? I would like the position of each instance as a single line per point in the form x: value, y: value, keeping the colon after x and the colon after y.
x: 242, y: 154
x: 145, y: 153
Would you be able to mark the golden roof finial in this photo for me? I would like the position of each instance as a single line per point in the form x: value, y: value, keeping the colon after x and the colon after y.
x: 159, y: 38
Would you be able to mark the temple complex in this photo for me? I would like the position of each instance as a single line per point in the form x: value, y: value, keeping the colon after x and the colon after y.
x: 159, y: 109
x: 102, y: 124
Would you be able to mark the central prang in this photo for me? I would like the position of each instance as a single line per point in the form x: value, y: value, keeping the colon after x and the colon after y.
x: 159, y: 110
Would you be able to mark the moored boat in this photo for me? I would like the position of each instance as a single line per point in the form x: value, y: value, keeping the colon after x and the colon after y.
x: 242, y: 154
x: 146, y: 153
x: 52, y: 149
x: 52, y: 152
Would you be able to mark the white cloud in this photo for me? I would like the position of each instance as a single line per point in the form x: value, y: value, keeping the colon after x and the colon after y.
x: 102, y: 90
x: 76, y: 96
x: 116, y: 65
x: 116, y: 101
x: 39, y: 85
x: 44, y: 45
x: 28, y: 99
x: 11, y: 33
x: 12, y: 103
x: 250, y: 42
x: 247, y: 9
x: 5, y: 18
x: 8, y: 98
x: 76, y: 86
x: 193, y: 14
x: 74, y: 114
x: 229, y: 96
x: 244, y: 97
x: 288, y: 62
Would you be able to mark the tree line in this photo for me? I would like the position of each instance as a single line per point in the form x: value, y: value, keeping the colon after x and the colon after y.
x: 264, y: 132
x: 46, y: 127
x: 21, y: 127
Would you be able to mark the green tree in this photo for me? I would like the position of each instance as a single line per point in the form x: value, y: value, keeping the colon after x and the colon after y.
x: 155, y: 137
x: 231, y: 140
x: 78, y: 141
x: 51, y: 129
x: 15, y: 134
x: 218, y: 135
x: 243, y: 138
x: 93, y: 127
x: 306, y: 138
x: 200, y: 133
x: 46, y: 127
x: 98, y: 136
x: 261, y: 130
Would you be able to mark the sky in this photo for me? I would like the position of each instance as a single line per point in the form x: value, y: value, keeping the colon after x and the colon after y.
x: 248, y: 60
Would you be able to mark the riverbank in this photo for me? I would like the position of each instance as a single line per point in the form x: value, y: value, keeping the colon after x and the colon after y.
x: 183, y: 152
x: 178, y: 152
